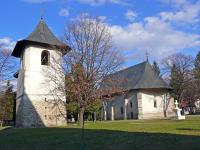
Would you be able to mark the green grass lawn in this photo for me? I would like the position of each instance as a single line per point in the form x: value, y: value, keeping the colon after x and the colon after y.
x: 117, y: 135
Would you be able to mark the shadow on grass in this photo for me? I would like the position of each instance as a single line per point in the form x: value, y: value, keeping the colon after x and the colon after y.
x: 70, y: 139
x: 188, y: 129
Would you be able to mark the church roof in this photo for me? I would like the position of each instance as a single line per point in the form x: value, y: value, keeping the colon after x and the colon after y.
x: 140, y: 76
x: 42, y: 36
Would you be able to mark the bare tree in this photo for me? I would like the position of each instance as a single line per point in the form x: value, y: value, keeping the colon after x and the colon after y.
x: 179, y: 68
x: 4, y: 62
x: 91, y: 59
x: 5, y: 73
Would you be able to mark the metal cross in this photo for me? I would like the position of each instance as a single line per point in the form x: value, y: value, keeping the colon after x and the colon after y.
x: 42, y: 10
x: 147, y: 56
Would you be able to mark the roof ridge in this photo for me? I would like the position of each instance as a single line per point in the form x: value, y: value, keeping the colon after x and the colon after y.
x: 42, y: 33
x: 156, y: 75
x: 144, y: 68
x: 127, y: 68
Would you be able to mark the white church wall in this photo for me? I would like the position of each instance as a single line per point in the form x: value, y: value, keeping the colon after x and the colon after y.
x: 118, y: 104
x: 153, y: 103
x: 142, y: 105
x: 132, y: 107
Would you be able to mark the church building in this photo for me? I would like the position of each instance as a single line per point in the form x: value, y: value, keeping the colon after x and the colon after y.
x: 41, y: 96
x: 140, y: 94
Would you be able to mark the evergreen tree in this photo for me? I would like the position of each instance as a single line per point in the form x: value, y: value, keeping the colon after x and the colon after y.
x: 7, y: 103
x: 156, y: 67
x: 176, y: 82
x: 95, y: 108
x: 197, y: 67
x: 197, y: 76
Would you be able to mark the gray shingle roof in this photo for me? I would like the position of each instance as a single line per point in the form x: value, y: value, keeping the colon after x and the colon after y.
x: 42, y: 36
x: 140, y: 76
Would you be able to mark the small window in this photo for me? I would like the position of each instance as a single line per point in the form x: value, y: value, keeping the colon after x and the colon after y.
x: 131, y: 104
x: 155, y: 103
x: 45, y: 58
x: 122, y: 110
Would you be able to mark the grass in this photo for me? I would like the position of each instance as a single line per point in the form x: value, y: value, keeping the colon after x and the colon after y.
x: 3, y: 128
x: 110, y: 135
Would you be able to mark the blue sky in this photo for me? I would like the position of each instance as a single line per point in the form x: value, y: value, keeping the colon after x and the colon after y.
x: 161, y: 27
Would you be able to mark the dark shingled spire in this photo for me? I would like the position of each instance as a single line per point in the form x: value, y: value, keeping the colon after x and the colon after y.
x: 41, y: 36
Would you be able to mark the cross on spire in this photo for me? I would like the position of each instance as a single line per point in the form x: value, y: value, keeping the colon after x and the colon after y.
x: 42, y: 10
x: 147, y: 56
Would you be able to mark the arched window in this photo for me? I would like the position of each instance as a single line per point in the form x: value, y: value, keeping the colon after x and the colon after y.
x: 45, y: 58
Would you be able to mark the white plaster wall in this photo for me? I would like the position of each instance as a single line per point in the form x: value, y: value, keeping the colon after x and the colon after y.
x: 147, y: 105
x: 118, y: 101
x: 132, y: 97
x: 40, y: 88
x: 148, y: 102
x: 20, y: 84
x: 148, y: 109
x: 40, y: 79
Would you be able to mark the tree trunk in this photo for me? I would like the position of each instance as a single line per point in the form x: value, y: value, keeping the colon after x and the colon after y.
x: 81, y: 118
x: 1, y: 123
x: 165, y: 113
x: 3, y: 115
x: 95, y: 116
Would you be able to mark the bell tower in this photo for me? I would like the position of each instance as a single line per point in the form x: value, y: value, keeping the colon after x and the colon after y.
x: 41, y: 96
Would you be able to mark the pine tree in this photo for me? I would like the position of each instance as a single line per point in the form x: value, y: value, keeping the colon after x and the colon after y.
x: 197, y: 67
x: 176, y: 82
x: 7, y: 103
x: 156, y: 67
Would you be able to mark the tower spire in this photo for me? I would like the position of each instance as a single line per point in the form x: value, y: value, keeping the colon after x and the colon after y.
x: 42, y: 10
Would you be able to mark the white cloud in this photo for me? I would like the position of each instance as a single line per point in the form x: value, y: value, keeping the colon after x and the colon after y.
x: 185, y: 12
x: 103, y: 18
x: 37, y: 1
x: 176, y: 3
x: 64, y: 12
x: 157, y: 37
x: 121, y: 2
x: 130, y: 15
x: 157, y: 34
x: 93, y: 2
x: 7, y: 43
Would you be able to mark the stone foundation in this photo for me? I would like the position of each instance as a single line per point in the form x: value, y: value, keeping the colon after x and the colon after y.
x: 36, y: 113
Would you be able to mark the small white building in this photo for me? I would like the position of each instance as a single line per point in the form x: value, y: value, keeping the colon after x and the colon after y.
x: 41, y: 96
x: 145, y: 94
